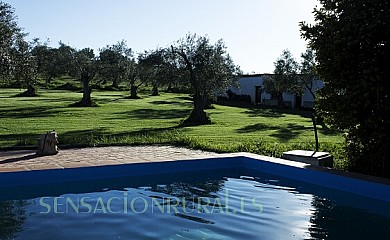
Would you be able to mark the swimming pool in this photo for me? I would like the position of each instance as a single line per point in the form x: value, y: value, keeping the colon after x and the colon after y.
x: 227, y: 198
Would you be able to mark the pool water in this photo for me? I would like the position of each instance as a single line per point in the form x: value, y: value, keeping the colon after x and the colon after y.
x: 228, y: 204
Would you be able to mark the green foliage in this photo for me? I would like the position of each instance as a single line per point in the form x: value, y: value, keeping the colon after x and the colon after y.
x: 114, y: 62
x: 25, y: 66
x: 308, y: 71
x: 9, y: 31
x: 351, y: 40
x: 157, y: 69
x: 285, y: 78
x: 16, y: 60
x: 46, y: 58
x: 65, y: 57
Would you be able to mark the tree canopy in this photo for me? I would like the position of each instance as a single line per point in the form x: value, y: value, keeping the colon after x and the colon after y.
x: 9, y: 31
x: 16, y: 59
x: 307, y: 71
x: 113, y: 61
x: 351, y: 40
x: 285, y: 78
x: 25, y: 66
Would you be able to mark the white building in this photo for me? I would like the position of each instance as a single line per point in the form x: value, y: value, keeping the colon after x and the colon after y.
x: 253, y: 86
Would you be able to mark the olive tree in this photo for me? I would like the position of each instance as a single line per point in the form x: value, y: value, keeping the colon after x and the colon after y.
x: 85, y: 69
x: 47, y: 59
x: 113, y: 63
x: 25, y: 66
x: 9, y: 32
x: 285, y: 77
x: 157, y: 68
x: 207, y: 67
x: 17, y: 62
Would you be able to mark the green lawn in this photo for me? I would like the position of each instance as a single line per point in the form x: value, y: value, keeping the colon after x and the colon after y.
x: 150, y: 120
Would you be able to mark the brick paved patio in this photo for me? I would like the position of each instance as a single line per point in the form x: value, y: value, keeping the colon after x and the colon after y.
x: 27, y: 160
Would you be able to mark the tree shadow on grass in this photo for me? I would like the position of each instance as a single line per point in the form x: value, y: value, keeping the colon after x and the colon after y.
x: 108, y: 100
x: 20, y: 139
x: 147, y: 131
x: 80, y: 137
x: 52, y: 100
x: 276, y: 112
x: 258, y: 112
x: 29, y: 112
x: 164, y: 102
x: 185, y: 98
x: 282, y: 133
x: 86, y: 137
x: 256, y: 128
x: 109, y: 94
x: 146, y: 113
x: 289, y: 132
x: 30, y: 140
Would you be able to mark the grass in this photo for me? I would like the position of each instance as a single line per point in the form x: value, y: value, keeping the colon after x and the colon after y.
x: 156, y: 120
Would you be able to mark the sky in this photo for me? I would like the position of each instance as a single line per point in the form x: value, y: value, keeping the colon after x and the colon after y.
x: 255, y: 32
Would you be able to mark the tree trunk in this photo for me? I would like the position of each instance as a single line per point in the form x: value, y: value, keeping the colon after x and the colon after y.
x: 86, y: 100
x: 198, y: 116
x: 207, y: 103
x: 280, y: 100
x: 313, y: 118
x: 31, y: 91
x: 115, y: 83
x: 48, y: 80
x: 133, y: 91
x: 169, y: 88
x: 155, y: 91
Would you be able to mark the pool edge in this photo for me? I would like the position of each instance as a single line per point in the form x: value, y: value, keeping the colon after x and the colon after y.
x: 360, y: 184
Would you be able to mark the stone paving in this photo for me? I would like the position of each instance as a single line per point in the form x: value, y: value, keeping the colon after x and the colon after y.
x: 27, y: 160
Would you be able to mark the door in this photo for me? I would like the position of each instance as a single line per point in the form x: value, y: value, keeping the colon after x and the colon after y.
x: 298, y: 101
x: 258, y: 90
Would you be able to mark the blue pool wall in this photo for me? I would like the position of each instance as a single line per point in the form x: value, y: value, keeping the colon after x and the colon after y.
x: 325, y: 179
x: 11, y: 179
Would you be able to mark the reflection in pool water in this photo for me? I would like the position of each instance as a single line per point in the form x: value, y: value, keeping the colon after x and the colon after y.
x: 235, y: 204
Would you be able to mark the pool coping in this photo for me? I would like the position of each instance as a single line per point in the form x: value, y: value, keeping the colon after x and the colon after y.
x: 329, y: 170
x: 50, y: 164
